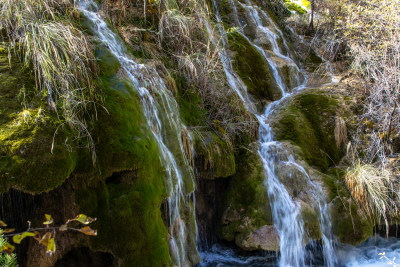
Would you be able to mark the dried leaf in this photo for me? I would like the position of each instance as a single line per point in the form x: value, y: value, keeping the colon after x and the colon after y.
x: 49, y: 219
x: 37, y: 236
x: 7, y: 248
x: 8, y: 230
x: 51, y: 247
x: 18, y: 238
x: 88, y: 231
x: 45, y: 239
x: 2, y: 224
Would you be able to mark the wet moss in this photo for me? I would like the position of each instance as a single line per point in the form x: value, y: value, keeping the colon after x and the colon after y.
x: 246, y: 204
x: 252, y: 68
x: 190, y: 104
x: 214, y: 155
x: 348, y: 226
x: 347, y: 223
x: 27, y: 130
x: 308, y: 122
x: 311, y: 222
x: 312, y: 61
x: 130, y: 224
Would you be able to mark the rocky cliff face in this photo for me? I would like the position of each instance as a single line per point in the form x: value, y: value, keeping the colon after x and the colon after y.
x: 126, y: 188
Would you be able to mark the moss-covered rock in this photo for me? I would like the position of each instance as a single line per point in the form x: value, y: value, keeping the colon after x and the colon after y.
x: 311, y: 222
x: 30, y: 136
x: 349, y: 226
x: 125, y: 188
x: 246, y: 208
x: 191, y: 105
x: 308, y: 121
x: 253, y: 69
x: 214, y: 155
x: 127, y: 204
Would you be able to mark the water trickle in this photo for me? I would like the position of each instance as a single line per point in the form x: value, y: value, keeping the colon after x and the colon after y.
x: 286, y: 211
x: 162, y: 115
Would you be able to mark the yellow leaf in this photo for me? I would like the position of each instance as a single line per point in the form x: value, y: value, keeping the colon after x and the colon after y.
x: 49, y: 219
x: 18, y: 238
x: 7, y: 248
x: 51, y: 247
x: 2, y: 224
x: 88, y: 231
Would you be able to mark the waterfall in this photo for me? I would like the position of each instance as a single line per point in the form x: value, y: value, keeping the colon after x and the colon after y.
x: 286, y: 211
x: 162, y: 115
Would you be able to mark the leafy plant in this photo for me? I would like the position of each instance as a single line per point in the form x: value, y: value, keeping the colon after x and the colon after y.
x: 44, y: 235
x: 7, y: 260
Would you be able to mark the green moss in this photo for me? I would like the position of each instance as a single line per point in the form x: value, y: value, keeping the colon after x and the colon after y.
x: 308, y: 121
x: 190, y: 104
x: 107, y: 62
x: 246, y: 197
x: 127, y: 204
x: 225, y: 10
x: 214, y: 155
x: 27, y: 130
x: 311, y: 222
x: 252, y: 68
x: 348, y: 225
x: 129, y: 218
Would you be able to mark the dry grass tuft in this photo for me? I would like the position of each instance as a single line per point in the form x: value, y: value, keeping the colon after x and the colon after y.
x: 373, y: 191
x: 39, y: 32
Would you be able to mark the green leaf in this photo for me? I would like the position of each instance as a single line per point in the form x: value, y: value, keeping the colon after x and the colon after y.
x: 51, y: 247
x: 82, y: 218
x: 18, y: 238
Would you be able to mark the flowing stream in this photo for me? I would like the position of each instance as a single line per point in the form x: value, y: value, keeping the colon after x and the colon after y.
x: 286, y: 211
x: 162, y: 114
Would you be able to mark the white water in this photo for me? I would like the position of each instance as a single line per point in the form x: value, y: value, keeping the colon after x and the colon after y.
x: 286, y: 211
x: 367, y: 253
x: 162, y: 114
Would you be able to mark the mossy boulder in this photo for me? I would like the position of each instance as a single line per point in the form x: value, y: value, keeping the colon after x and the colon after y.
x: 253, y: 69
x: 246, y: 206
x: 348, y: 223
x: 306, y: 124
x: 30, y: 135
x: 127, y: 203
x: 214, y: 155
x: 124, y: 189
x: 308, y: 121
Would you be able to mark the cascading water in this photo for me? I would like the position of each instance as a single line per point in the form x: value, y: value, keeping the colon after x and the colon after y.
x: 286, y: 211
x: 162, y: 114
